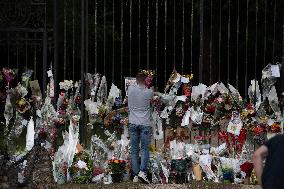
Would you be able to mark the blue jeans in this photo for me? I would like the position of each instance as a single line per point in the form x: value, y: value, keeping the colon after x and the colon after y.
x: 139, y: 133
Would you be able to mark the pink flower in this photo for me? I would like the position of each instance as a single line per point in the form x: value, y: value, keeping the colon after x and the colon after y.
x: 9, y: 75
x: 220, y: 100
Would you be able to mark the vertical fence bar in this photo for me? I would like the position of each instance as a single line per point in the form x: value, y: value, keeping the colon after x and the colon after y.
x: 64, y: 39
x: 112, y: 76
x: 139, y: 35
x: 220, y: 40
x: 156, y: 45
x: 265, y: 33
x: 87, y: 36
x: 174, y: 53
x: 130, y: 37
x: 182, y: 43
x: 211, y: 42
x: 201, y: 41
x: 165, y: 53
x: 73, y: 40
x: 148, y: 39
x: 104, y: 66
x: 81, y: 129
x: 246, y: 63
x: 237, y: 50
x: 121, y: 45
x: 191, y: 34
x: 35, y: 54
x: 96, y: 36
x: 55, y: 29
x: 274, y: 23
x: 229, y: 36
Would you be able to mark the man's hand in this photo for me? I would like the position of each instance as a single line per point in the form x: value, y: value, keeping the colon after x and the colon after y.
x: 258, y: 157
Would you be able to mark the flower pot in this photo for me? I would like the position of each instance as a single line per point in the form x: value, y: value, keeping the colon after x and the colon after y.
x: 228, y: 177
x: 117, y: 178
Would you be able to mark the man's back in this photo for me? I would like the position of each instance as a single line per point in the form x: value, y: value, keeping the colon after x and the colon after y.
x: 139, y: 99
x: 273, y: 172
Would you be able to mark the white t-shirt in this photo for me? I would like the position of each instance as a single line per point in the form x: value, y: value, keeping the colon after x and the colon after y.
x: 139, y: 98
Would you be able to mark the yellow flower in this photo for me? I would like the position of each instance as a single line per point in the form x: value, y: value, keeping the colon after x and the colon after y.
x: 152, y: 148
x: 116, y: 161
x: 189, y: 76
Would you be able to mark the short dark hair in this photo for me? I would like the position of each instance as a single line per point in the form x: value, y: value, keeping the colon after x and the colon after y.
x: 140, y: 77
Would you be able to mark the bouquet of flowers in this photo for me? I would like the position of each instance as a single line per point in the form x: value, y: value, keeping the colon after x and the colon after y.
x: 81, y: 170
x: 149, y: 79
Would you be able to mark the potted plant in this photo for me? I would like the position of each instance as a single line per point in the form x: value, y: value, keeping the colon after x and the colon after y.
x: 228, y: 174
x: 118, y: 169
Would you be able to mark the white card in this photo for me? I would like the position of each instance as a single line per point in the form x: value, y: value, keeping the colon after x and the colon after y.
x: 275, y: 71
x: 235, y: 128
x: 184, y: 79
x: 49, y: 73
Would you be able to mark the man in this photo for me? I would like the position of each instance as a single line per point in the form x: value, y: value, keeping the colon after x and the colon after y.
x: 271, y: 176
x: 139, y: 97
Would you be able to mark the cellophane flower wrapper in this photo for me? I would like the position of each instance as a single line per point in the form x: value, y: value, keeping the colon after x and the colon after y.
x: 191, y: 151
x: 17, y: 128
x: 157, y: 126
x: 273, y: 100
x: 26, y: 77
x: 97, y: 79
x: 186, y: 117
x: 114, y: 93
x: 254, y: 93
x: 67, y: 151
x: 196, y: 115
x: 121, y: 149
x: 219, y: 150
x: 198, y: 91
x: 91, y: 107
x: 8, y: 113
x: 177, y: 149
x: 205, y: 163
x: 175, y: 85
x: 89, y: 80
x: 231, y: 163
x: 100, y: 151
x: 30, y: 135
x: 21, y: 90
x: 48, y: 116
x: 267, y: 80
x: 102, y: 91
x: 155, y: 166
x: 234, y: 91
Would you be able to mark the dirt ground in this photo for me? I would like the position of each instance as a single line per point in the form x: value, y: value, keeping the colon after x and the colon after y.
x: 130, y: 185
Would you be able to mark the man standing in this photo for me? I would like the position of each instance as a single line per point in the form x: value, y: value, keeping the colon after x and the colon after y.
x: 271, y: 176
x: 139, y: 97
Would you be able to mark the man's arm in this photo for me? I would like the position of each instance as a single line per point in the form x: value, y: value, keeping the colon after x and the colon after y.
x: 258, y: 157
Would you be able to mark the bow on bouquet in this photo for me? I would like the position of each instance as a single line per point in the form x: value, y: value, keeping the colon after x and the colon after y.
x: 233, y: 142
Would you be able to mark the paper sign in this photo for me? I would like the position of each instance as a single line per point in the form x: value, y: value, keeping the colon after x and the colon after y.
x: 35, y: 88
x: 235, y: 128
x: 49, y: 73
x: 275, y: 71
